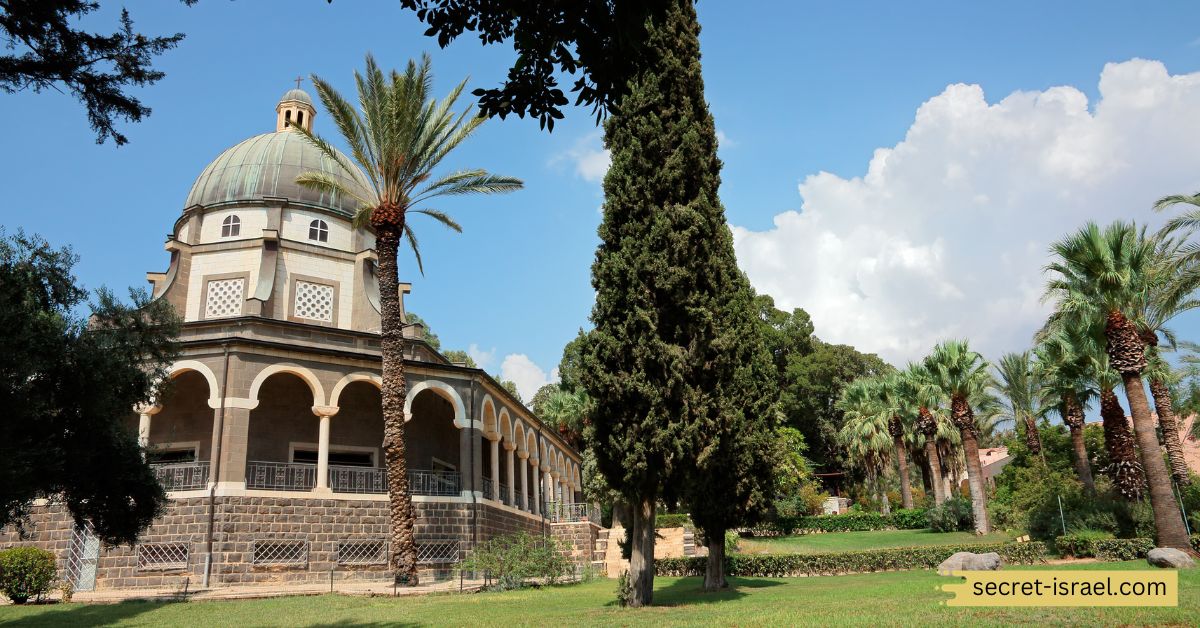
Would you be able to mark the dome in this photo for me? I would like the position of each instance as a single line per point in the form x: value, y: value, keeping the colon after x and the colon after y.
x: 297, y: 94
x: 267, y: 165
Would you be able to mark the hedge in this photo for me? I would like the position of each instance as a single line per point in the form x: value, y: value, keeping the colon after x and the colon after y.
x: 1109, y: 549
x: 787, y: 565
x: 902, y: 519
x: 672, y: 520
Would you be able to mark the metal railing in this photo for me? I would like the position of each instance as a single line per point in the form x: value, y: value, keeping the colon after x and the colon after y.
x: 437, y: 551
x: 559, y: 512
x: 503, y: 499
x: 181, y: 476
x: 422, y: 482
x: 357, y: 479
x: 489, y: 488
x: 281, y: 476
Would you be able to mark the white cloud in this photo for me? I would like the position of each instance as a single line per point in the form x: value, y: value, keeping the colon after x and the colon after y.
x: 724, y: 141
x: 588, y: 156
x: 483, y: 359
x: 528, y: 376
x: 946, y: 233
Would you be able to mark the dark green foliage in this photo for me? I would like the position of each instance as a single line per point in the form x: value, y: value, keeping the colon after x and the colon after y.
x: 430, y: 337
x: 910, y: 518
x: 792, y: 565
x: 952, y: 516
x: 1123, y: 549
x: 601, y: 40
x: 67, y: 383
x: 457, y: 356
x: 541, y: 396
x: 95, y: 68
x: 1080, y: 544
x: 672, y: 520
x: 901, y: 519
x: 25, y: 572
x: 513, y: 561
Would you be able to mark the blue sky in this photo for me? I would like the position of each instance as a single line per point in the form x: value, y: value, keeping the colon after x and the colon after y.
x: 797, y: 89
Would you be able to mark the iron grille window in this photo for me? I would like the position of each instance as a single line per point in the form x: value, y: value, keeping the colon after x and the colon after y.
x: 437, y: 551
x: 162, y: 556
x: 280, y: 552
x: 362, y: 552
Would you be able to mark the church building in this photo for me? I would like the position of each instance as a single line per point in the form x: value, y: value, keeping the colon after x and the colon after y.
x: 268, y: 438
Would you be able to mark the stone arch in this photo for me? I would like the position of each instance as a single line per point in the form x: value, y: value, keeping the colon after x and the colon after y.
x: 443, y: 390
x: 184, y: 366
x: 309, y: 378
x: 487, y: 418
x: 361, y: 376
x: 506, y: 426
x: 519, y: 437
x: 531, y: 444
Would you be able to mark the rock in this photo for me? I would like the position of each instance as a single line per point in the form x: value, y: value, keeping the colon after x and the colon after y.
x: 967, y: 561
x: 1169, y: 558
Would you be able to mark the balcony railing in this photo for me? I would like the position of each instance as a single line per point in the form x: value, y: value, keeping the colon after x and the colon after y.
x: 357, y: 479
x: 181, y: 476
x: 489, y: 488
x: 284, y: 476
x: 281, y: 476
x: 559, y: 512
x: 504, y: 495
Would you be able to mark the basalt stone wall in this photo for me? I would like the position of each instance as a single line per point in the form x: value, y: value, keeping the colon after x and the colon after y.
x: 578, y: 540
x: 302, y: 535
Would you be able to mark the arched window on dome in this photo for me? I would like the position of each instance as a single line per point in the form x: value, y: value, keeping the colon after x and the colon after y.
x: 287, y: 117
x: 318, y: 230
x: 231, y: 227
x: 300, y: 118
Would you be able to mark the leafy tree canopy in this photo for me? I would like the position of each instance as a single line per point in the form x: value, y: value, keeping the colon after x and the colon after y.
x: 67, y: 384
x: 50, y: 52
x: 458, y: 356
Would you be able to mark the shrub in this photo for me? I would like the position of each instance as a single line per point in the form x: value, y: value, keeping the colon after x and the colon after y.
x: 910, y: 518
x: 853, y: 521
x: 788, y: 565
x: 514, y: 559
x: 25, y: 572
x: 1081, y: 543
x: 953, y: 515
x: 731, y: 542
x: 1121, y: 549
x: 672, y: 520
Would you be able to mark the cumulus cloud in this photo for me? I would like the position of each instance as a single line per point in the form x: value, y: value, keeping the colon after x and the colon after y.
x: 483, y: 359
x: 946, y: 233
x: 587, y: 156
x: 528, y: 376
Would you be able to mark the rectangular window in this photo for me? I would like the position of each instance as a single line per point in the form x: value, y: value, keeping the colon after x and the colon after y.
x: 337, y: 458
x: 280, y: 552
x: 162, y: 556
x: 224, y: 297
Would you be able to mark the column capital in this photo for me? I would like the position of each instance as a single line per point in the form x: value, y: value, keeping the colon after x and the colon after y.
x: 324, y: 411
x: 148, y: 408
x: 523, y: 455
x: 508, y: 446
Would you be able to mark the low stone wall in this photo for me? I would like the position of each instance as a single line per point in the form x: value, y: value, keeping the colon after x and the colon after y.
x: 578, y: 540
x: 317, y: 526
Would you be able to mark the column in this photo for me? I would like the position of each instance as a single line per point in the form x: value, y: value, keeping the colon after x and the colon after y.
x: 534, y: 505
x: 324, y: 412
x: 512, y: 483
x: 545, y: 486
x: 524, y: 480
x: 553, y: 488
x: 144, y: 414
x: 495, y: 470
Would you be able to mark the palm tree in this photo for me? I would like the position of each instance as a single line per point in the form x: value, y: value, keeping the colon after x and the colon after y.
x: 918, y: 394
x: 1103, y: 275
x: 889, y: 392
x: 1123, y: 466
x: 962, y: 374
x: 1162, y: 377
x: 1018, y: 382
x: 865, y: 434
x: 1065, y: 387
x: 397, y: 139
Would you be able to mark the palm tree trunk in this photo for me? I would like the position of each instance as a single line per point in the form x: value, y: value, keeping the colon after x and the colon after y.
x: 1127, y: 356
x: 1033, y: 439
x: 902, y: 462
x: 1170, y: 430
x: 641, y: 558
x: 1123, y: 467
x: 1072, y: 415
x: 394, y: 390
x: 935, y: 470
x: 714, y: 567
x: 1168, y: 523
x: 965, y: 420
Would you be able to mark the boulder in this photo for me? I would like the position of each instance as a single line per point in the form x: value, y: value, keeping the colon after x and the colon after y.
x: 967, y: 561
x: 1169, y: 557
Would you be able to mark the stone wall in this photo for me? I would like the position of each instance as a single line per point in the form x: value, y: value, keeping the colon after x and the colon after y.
x: 241, y: 522
x: 578, y: 540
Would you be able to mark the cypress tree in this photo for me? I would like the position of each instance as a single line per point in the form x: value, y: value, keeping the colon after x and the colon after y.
x: 666, y: 283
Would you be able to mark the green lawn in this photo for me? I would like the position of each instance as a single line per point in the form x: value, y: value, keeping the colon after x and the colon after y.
x: 883, y: 599
x: 851, y: 541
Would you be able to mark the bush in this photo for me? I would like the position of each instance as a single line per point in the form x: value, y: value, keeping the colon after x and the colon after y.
x: 25, y: 572
x: 514, y: 559
x: 789, y: 565
x: 1121, y: 549
x: 1080, y: 544
x: 731, y: 542
x: 910, y: 518
x: 672, y: 520
x: 953, y: 515
x: 853, y: 521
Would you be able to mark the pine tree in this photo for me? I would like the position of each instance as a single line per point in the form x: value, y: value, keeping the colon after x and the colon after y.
x: 663, y: 274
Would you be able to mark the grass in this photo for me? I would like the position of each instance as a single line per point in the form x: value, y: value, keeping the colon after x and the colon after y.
x: 882, y: 599
x: 853, y: 541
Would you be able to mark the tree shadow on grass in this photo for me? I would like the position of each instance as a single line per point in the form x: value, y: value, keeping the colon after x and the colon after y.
x: 687, y: 591
x: 79, y: 614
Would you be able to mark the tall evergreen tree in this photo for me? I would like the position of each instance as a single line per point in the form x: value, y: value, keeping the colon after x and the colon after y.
x: 663, y: 274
